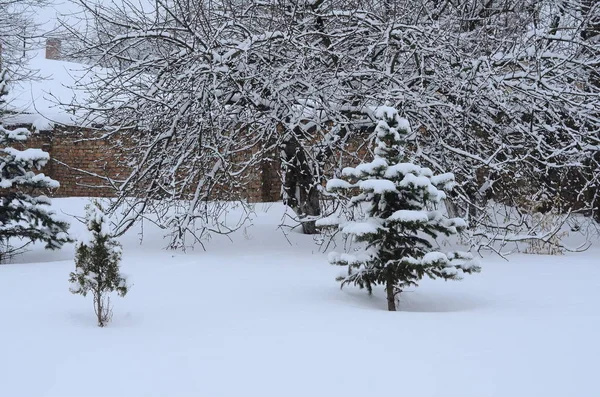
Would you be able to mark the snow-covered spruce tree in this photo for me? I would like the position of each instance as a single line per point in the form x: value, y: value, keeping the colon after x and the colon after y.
x: 97, y: 264
x: 399, y: 218
x: 23, y: 216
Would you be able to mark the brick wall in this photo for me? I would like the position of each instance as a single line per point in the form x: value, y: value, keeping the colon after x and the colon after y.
x: 78, y: 162
x: 83, y: 164
x: 264, y: 182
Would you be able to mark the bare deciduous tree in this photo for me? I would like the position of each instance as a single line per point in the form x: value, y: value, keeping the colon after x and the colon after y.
x: 502, y: 93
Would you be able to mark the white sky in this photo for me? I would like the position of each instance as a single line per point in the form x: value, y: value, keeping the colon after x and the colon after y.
x: 48, y: 16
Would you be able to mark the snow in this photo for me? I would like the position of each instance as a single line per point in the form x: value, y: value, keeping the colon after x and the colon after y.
x: 331, y: 220
x: 16, y: 134
x: 452, y: 271
x: 433, y: 257
x: 424, y: 180
x: 367, y: 168
x: 409, y: 216
x: 334, y: 184
x: 385, y: 112
x: 447, y: 180
x: 377, y: 186
x: 401, y: 169
x: 350, y: 259
x: 404, y: 124
x: 369, y: 226
x: 263, y: 317
x: 45, y: 180
x: 417, y: 181
x: 46, y: 101
x: 458, y: 222
x: 95, y: 216
x: 27, y: 155
x: 26, y: 160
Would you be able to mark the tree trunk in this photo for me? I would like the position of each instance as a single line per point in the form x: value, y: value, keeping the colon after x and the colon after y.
x: 309, y: 207
x: 99, y: 309
x: 391, y: 297
x: 452, y: 209
x: 300, y: 185
x: 590, y: 31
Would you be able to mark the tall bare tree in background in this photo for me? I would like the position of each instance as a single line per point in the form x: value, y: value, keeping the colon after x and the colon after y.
x: 504, y: 93
x: 178, y: 82
x: 196, y: 83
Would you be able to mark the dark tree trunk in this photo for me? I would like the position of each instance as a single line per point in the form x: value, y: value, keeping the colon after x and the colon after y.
x: 309, y: 206
x: 391, y: 296
x: 594, y: 191
x: 452, y: 208
x: 472, y: 211
x: 590, y: 31
x: 300, y: 184
x: 99, y: 308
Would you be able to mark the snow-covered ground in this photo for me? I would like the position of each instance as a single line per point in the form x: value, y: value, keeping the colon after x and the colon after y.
x: 262, y: 317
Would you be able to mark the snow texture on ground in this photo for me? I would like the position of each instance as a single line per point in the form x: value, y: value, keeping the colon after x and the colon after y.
x: 262, y: 317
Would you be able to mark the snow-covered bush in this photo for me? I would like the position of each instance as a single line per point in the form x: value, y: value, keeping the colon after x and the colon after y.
x: 400, y: 219
x: 23, y: 216
x: 97, y: 264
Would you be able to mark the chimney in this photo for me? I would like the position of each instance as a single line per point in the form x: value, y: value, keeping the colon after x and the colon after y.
x: 53, y: 48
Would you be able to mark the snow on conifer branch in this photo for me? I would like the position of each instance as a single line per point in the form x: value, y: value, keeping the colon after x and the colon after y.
x: 24, y: 216
x: 97, y: 264
x: 399, y: 201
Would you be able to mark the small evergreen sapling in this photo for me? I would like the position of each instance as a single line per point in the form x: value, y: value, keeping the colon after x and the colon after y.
x: 97, y: 260
x: 24, y: 216
x: 399, y: 220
